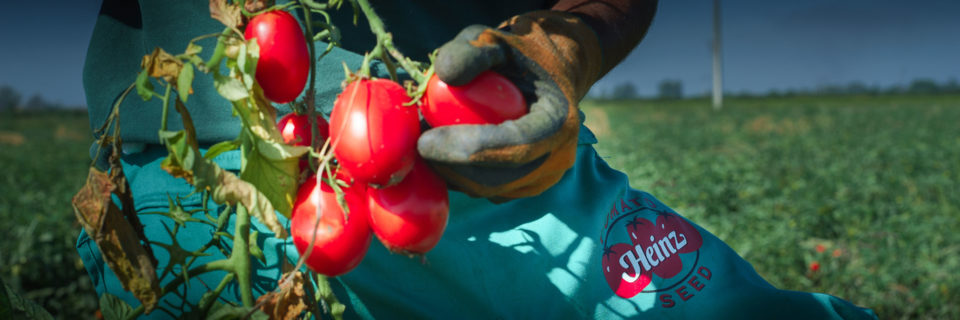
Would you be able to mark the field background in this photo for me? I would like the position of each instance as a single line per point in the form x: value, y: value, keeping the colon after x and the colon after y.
x: 865, y: 187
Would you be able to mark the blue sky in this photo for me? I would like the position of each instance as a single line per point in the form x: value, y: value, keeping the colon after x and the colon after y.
x: 767, y: 45
x: 797, y: 44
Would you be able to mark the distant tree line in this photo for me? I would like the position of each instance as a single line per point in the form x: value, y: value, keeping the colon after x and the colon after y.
x: 673, y: 89
x: 921, y: 86
x: 12, y: 100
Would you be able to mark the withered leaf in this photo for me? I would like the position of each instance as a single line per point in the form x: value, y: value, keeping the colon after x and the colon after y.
x: 257, y: 5
x: 288, y: 301
x: 160, y: 64
x: 226, y: 13
x: 117, y: 240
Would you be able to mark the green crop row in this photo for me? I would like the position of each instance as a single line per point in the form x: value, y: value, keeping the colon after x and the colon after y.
x: 865, y: 188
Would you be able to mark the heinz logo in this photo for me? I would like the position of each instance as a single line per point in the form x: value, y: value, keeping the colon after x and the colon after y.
x: 655, y: 249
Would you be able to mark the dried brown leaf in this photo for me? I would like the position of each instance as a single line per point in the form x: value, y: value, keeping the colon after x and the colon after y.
x: 160, y: 64
x: 257, y: 5
x: 116, y: 238
x: 288, y: 301
x: 228, y: 14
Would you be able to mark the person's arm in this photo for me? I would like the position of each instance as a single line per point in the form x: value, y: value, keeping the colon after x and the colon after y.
x: 619, y: 24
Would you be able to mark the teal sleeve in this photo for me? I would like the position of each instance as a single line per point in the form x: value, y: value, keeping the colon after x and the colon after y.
x: 590, y: 247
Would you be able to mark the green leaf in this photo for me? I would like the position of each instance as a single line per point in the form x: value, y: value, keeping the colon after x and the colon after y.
x: 221, y: 147
x: 6, y: 309
x: 185, y: 82
x: 193, y: 49
x: 144, y: 87
x: 325, y: 294
x: 230, y: 88
x: 15, y: 306
x: 247, y: 62
x: 268, y: 163
x: 184, y: 161
x: 113, y: 307
x: 176, y: 212
x: 272, y: 167
x: 181, y: 155
x: 254, y: 247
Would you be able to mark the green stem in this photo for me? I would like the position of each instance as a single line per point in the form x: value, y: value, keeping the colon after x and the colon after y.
x: 314, y: 5
x: 392, y: 68
x: 207, y: 301
x: 166, y: 107
x: 385, y: 42
x: 223, y: 264
x: 243, y: 8
x: 135, y: 313
x: 218, y: 52
x: 365, y: 67
x: 240, y: 257
x: 114, y: 117
x: 313, y: 62
x: 311, y: 108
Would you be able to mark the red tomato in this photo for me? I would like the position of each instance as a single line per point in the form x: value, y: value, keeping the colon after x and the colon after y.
x: 295, y: 129
x: 340, y: 244
x: 488, y: 99
x: 374, y: 136
x: 284, y: 61
x: 410, y: 217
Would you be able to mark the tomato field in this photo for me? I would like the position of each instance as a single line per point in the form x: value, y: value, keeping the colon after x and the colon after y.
x: 852, y: 196
x: 858, y: 197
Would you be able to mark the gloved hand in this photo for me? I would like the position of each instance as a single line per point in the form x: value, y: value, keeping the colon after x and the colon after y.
x: 553, y: 58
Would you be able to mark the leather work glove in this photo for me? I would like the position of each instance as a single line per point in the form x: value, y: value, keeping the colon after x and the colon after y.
x: 553, y: 58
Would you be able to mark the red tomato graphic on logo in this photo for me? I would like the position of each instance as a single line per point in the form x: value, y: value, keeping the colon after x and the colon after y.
x: 622, y: 275
x: 654, y: 249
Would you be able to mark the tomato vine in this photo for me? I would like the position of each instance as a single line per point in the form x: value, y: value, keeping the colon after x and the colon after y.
x: 243, y: 195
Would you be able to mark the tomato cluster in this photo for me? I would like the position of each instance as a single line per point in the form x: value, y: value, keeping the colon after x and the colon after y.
x: 390, y: 191
x: 387, y: 189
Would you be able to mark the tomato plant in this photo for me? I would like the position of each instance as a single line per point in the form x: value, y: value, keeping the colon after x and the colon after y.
x: 378, y: 147
x: 341, y: 241
x: 410, y: 216
x: 374, y: 136
x: 295, y: 129
x: 284, y: 62
x: 490, y: 98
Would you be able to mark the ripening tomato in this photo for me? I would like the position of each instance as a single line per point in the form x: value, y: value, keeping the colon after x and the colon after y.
x: 340, y: 243
x: 488, y: 99
x: 284, y: 61
x: 410, y: 216
x: 295, y: 129
x: 374, y: 136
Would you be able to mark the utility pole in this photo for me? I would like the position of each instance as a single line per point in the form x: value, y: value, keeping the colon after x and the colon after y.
x: 717, y: 62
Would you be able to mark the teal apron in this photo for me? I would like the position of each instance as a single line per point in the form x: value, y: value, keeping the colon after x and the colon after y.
x: 589, y: 247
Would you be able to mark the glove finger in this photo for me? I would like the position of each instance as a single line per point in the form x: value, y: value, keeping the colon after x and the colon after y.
x: 463, y: 58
